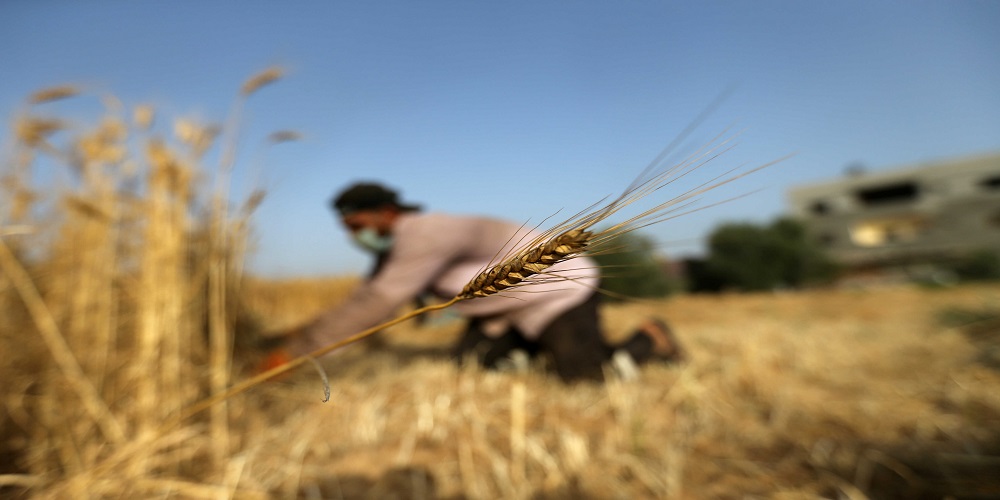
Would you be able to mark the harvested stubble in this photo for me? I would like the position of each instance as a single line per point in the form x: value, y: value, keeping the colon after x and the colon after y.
x: 792, y: 395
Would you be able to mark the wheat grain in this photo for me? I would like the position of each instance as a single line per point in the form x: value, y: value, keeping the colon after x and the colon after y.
x: 269, y: 75
x: 198, y: 137
x: 86, y: 208
x: 143, y: 116
x: 53, y: 94
x: 34, y: 132
x: 104, y: 145
x: 23, y: 200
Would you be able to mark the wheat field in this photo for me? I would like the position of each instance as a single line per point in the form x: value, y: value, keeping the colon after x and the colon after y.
x: 819, y: 394
x: 124, y: 302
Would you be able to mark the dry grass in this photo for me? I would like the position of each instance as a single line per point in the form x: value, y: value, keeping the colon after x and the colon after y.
x: 269, y: 299
x: 794, y: 395
x: 120, y: 289
x: 121, y: 293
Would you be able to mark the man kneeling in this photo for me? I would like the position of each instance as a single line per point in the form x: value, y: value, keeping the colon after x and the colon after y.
x: 416, y: 252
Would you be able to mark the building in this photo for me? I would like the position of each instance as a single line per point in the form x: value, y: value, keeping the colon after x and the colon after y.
x: 908, y: 215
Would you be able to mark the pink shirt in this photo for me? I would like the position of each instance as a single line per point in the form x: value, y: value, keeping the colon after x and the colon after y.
x: 442, y: 253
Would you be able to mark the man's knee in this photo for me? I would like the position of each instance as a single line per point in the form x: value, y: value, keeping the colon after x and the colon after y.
x: 576, y: 354
x: 488, y: 351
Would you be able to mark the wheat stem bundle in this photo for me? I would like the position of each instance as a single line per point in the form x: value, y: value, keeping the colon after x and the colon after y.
x: 56, y: 343
x: 126, y: 291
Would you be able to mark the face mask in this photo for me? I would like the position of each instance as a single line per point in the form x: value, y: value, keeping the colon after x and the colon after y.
x: 369, y: 239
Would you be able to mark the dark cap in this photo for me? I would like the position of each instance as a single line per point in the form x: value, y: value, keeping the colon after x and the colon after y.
x: 368, y: 196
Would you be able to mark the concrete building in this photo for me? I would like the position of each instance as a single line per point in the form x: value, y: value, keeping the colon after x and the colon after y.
x: 909, y: 215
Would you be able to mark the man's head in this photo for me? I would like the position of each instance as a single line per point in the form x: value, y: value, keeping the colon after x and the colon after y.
x: 369, y: 211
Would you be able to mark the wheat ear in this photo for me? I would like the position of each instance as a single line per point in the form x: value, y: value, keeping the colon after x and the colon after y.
x: 534, y: 259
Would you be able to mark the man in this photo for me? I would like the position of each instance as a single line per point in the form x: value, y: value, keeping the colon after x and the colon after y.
x: 417, y: 252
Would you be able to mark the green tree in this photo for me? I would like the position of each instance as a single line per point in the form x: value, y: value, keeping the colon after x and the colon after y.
x: 630, y: 267
x: 981, y: 265
x: 753, y: 257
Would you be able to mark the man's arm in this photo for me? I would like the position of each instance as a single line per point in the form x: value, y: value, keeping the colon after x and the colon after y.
x: 423, y: 248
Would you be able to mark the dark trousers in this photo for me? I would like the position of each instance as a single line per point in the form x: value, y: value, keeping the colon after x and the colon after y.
x: 573, y: 342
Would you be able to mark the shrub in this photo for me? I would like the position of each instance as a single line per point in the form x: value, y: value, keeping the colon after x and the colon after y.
x: 630, y: 268
x: 747, y: 256
x: 982, y: 265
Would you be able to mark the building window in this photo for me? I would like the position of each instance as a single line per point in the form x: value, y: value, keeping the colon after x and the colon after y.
x: 888, y: 231
x: 991, y: 183
x: 902, y: 192
x: 819, y: 207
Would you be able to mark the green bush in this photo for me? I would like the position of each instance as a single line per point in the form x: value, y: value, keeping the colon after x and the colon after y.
x: 983, y: 265
x: 747, y: 256
x: 630, y: 268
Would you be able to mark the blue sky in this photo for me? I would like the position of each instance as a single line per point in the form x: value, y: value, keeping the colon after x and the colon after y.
x: 520, y: 109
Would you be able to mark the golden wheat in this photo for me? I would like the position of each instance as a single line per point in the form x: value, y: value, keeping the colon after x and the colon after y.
x: 266, y: 77
x: 34, y: 132
x: 143, y: 117
x: 528, y: 262
x: 53, y: 94
x: 119, y: 282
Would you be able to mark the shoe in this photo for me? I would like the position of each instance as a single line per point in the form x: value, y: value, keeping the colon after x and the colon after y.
x: 624, y: 365
x: 665, y: 344
x: 271, y: 342
x: 275, y: 358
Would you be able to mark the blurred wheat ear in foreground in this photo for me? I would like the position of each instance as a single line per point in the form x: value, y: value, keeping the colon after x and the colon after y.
x: 119, y: 291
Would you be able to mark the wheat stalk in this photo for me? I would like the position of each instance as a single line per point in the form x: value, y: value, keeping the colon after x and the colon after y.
x: 61, y: 352
x: 118, y: 298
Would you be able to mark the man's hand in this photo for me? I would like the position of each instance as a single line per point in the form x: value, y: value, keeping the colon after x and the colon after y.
x: 274, y: 358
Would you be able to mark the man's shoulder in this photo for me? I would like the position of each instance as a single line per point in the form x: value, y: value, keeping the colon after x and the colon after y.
x: 446, y: 226
x: 420, y: 219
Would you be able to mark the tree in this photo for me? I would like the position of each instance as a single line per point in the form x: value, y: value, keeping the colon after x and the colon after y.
x: 981, y: 265
x: 747, y: 256
x: 630, y: 267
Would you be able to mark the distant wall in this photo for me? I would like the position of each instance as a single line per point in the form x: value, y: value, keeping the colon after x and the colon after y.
x: 918, y: 213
